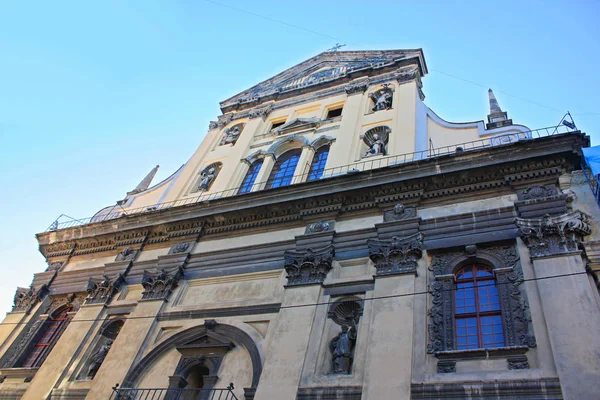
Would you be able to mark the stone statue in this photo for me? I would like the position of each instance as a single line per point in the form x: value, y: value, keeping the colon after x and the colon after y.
x: 97, y: 358
x: 377, y: 147
x: 206, y: 178
x: 342, y: 348
x: 231, y: 135
x: 382, y: 99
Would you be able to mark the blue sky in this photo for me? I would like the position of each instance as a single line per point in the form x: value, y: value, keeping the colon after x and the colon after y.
x: 94, y: 94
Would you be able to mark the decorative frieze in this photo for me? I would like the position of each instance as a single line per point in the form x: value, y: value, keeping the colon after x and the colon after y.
x: 548, y: 235
x: 518, y: 362
x: 446, y: 366
x: 318, y: 227
x: 26, y: 298
x: 261, y: 112
x: 396, y: 256
x: 399, y: 212
x: 160, y: 284
x: 127, y: 254
x: 102, y: 290
x: 308, y: 267
x: 179, y: 248
x: 536, y: 192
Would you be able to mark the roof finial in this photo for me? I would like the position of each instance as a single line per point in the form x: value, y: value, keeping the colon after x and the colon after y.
x: 496, y: 117
x: 336, y: 47
x: 145, y: 183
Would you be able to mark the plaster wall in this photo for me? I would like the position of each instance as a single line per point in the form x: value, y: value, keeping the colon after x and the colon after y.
x: 246, y: 240
x: 85, y: 262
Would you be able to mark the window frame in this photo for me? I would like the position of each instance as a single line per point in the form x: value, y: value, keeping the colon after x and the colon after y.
x: 318, y: 164
x: 250, y: 178
x: 58, y: 324
x: 278, y: 166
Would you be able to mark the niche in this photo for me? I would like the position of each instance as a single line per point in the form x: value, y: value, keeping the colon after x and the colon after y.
x: 106, y: 337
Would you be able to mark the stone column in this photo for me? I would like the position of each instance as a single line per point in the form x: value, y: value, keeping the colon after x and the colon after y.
x: 63, y: 352
x: 301, y: 171
x: 264, y: 172
x: 125, y: 348
x: 289, y: 339
x: 389, y: 359
x: 568, y: 301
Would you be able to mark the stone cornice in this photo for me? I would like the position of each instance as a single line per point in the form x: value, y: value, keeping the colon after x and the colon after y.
x: 464, y: 173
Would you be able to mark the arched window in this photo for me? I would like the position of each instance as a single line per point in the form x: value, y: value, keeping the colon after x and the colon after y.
x: 283, y: 170
x: 250, y: 177
x: 318, y: 163
x: 477, y: 313
x: 47, y: 340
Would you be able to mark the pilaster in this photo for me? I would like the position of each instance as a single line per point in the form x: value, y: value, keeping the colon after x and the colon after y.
x: 301, y: 171
x: 263, y: 173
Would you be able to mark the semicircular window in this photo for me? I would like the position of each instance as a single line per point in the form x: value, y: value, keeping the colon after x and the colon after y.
x: 318, y: 163
x: 283, y: 170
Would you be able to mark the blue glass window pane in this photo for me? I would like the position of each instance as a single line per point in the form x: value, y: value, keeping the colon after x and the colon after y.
x: 318, y: 164
x: 250, y: 177
x: 283, y: 170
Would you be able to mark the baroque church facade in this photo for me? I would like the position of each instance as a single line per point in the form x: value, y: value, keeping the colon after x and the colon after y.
x: 331, y: 238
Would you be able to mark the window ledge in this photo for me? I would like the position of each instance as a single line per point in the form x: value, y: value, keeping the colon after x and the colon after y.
x: 26, y: 373
x: 478, y: 354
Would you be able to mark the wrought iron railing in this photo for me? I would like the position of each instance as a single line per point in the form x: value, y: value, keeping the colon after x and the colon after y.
x: 173, y: 394
x: 371, y: 163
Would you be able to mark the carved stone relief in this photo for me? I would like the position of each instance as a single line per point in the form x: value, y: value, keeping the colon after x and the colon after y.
x: 26, y: 298
x: 127, y: 254
x: 318, y: 227
x: 102, y: 290
x: 232, y: 134
x: 178, y: 248
x: 554, y: 235
x: 396, y: 256
x: 55, y: 266
x: 357, y: 87
x: 382, y: 98
x: 446, y: 366
x: 160, y: 284
x: 509, y: 277
x: 23, y: 342
x: 536, y: 192
x: 262, y: 112
x: 399, y: 212
x: 518, y: 362
x: 376, y: 139
x: 308, y: 267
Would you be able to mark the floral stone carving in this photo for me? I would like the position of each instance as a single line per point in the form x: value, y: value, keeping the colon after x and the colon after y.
x: 101, y: 290
x: 308, y: 267
x: 159, y: 285
x: 26, y: 298
x: 554, y: 235
x: 396, y: 256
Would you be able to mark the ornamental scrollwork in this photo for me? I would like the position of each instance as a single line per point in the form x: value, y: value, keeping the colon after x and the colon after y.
x: 309, y: 266
x: 396, y: 256
x: 26, y: 298
x: 262, y: 112
x: 160, y: 284
x: 554, y: 235
x: 358, y: 87
x: 102, y: 290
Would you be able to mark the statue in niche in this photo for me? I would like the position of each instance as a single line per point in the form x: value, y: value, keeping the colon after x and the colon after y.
x: 377, y: 147
x: 97, y: 359
x: 382, y: 99
x: 206, y: 178
x: 231, y: 135
x: 342, y: 347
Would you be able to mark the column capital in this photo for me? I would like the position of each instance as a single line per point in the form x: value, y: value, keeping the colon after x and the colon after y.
x: 550, y: 236
x: 396, y: 256
x: 309, y: 266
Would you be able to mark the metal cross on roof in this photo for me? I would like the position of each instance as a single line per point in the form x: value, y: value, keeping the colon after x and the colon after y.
x: 336, y: 47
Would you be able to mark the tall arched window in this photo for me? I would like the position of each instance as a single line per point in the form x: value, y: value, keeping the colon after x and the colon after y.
x: 318, y: 163
x: 283, y: 170
x: 47, y: 340
x: 477, y: 309
x: 250, y: 177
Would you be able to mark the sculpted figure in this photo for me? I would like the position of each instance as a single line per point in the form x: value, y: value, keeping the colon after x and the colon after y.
x: 231, y: 135
x: 97, y: 358
x: 342, y: 349
x: 377, y: 147
x: 382, y: 99
x: 206, y: 179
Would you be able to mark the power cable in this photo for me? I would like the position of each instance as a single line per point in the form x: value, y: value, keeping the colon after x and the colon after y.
x: 391, y: 296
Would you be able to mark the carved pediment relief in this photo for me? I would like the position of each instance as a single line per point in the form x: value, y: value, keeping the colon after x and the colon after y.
x: 297, y: 125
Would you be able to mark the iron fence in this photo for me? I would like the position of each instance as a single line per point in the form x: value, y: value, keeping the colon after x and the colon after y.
x: 369, y: 163
x: 173, y: 394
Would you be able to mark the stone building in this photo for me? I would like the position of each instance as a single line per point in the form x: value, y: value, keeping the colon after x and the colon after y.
x: 331, y: 238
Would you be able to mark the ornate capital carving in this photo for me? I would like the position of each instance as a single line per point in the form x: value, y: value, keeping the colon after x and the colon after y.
x: 356, y: 87
x: 262, y: 112
x: 160, y: 284
x: 396, y: 256
x: 554, y: 235
x: 310, y: 266
x: 101, y: 290
x: 26, y: 298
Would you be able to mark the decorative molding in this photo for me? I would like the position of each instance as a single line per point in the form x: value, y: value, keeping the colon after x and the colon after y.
x: 179, y: 248
x: 127, y: 254
x: 518, y: 362
x: 297, y: 124
x: 382, y: 98
x: 548, y: 236
x: 536, y: 192
x: 26, y: 298
x: 71, y: 301
x: 319, y: 227
x: 357, y: 87
x: 102, y: 290
x: 261, y: 112
x: 308, y: 267
x: 159, y: 285
x: 446, y: 366
x: 396, y: 256
x: 232, y: 134
x: 399, y: 212
x: 55, y: 266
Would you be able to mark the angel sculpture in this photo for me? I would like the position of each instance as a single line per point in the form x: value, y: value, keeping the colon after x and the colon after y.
x: 206, y: 178
x: 376, y: 146
x: 382, y: 99
x: 231, y: 135
x: 342, y: 348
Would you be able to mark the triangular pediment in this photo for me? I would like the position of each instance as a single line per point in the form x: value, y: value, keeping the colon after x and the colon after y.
x: 325, y: 68
x: 297, y: 124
